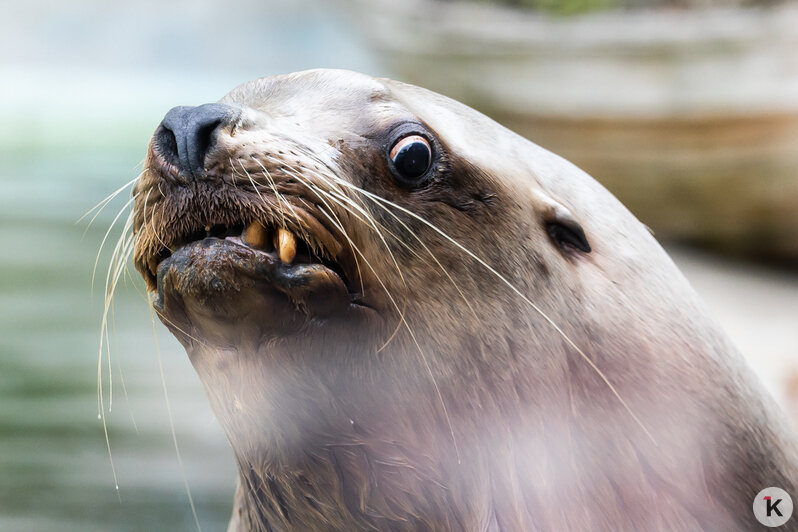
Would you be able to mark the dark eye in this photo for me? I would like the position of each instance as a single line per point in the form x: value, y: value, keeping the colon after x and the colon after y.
x: 411, y: 157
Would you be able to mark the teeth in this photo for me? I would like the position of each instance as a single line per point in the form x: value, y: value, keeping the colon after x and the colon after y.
x: 255, y: 235
x: 286, y: 243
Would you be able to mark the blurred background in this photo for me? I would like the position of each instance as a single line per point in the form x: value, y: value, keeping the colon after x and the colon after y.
x: 687, y: 110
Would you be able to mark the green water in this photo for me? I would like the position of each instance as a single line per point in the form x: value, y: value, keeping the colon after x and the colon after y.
x: 83, y: 88
x: 55, y: 472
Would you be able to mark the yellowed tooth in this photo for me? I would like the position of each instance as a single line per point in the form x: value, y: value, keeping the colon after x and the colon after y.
x: 255, y: 235
x: 287, y: 245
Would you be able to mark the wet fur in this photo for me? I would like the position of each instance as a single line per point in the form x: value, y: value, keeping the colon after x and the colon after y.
x: 477, y: 414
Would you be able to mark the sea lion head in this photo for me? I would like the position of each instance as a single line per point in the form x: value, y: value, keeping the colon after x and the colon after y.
x: 360, y: 182
x: 387, y: 295
x: 327, y: 204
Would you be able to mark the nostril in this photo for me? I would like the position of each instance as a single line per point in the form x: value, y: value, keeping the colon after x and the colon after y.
x: 200, y: 140
x: 166, y: 145
x: 188, y: 134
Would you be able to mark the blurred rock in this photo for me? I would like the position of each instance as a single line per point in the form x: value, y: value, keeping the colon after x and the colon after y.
x: 689, y: 116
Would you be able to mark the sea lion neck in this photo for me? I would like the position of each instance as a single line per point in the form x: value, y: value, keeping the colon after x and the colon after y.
x: 326, y: 444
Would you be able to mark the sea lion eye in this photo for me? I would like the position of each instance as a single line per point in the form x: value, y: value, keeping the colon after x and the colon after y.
x: 411, y: 157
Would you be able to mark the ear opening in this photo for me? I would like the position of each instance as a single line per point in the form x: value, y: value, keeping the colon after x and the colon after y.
x: 568, y: 233
x: 561, y: 225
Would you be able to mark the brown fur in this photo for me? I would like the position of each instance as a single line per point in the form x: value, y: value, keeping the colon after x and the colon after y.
x: 477, y: 414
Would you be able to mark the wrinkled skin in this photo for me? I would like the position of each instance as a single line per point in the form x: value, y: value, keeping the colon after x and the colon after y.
x: 384, y: 389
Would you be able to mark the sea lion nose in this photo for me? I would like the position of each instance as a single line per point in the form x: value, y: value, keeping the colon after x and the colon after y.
x: 186, y: 134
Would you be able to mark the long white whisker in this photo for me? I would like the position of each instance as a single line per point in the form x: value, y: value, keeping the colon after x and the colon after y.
x: 407, y: 326
x: 421, y: 242
x: 172, y: 422
x: 278, y: 199
x: 181, y: 331
x: 108, y: 232
x: 104, y: 203
x: 112, y: 277
x: 338, y: 223
x: 283, y: 201
x: 110, y: 284
x: 515, y: 290
x: 420, y: 351
x: 152, y: 221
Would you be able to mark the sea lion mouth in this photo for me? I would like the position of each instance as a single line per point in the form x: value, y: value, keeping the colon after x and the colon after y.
x: 278, y: 244
x: 288, y: 259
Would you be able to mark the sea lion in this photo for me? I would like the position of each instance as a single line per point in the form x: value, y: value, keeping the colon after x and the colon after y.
x: 407, y: 317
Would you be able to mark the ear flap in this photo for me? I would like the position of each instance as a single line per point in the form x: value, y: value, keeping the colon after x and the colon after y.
x: 562, y: 227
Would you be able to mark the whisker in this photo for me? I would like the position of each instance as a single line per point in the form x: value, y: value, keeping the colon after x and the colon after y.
x: 172, y: 422
x: 102, y: 244
x: 112, y: 278
x: 104, y: 203
x: 434, y: 258
x: 152, y: 221
x: 407, y: 326
x: 390, y: 253
x: 278, y: 199
x: 122, y: 243
x: 121, y: 374
x: 180, y: 330
x: 420, y: 350
x: 515, y: 290
x: 287, y: 203
x: 338, y: 224
x: 426, y: 248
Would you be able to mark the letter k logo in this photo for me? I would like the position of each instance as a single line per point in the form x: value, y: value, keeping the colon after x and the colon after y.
x: 772, y: 506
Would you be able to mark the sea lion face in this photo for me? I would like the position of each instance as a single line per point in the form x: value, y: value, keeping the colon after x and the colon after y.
x: 324, y: 202
x: 332, y: 237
